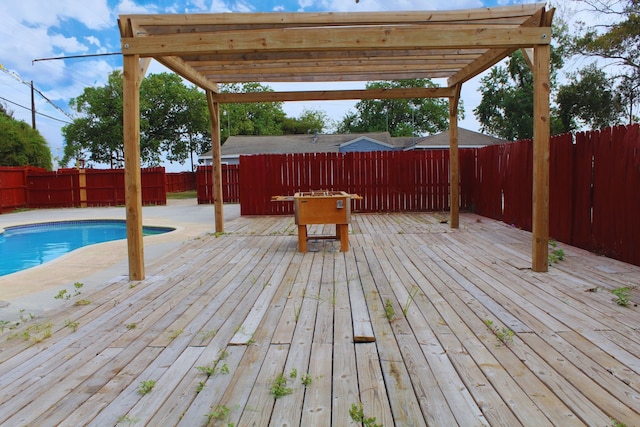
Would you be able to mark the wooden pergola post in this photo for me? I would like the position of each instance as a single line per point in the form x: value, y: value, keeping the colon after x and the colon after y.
x: 454, y: 161
x: 132, y: 175
x: 541, y: 134
x: 216, y: 162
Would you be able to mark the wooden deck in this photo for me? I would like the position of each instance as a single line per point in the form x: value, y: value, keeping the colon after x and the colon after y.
x: 398, y: 324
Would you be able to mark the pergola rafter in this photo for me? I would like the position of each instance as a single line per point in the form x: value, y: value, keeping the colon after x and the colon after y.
x: 210, y: 49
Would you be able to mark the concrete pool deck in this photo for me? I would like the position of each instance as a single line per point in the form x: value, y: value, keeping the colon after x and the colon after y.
x: 33, y: 291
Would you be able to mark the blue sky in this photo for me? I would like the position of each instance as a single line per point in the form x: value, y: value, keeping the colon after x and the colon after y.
x: 37, y: 29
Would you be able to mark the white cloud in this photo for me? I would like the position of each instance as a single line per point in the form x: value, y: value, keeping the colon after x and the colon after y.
x: 130, y: 7
x: 385, y: 5
x: 243, y: 7
x: 93, y: 40
x: 67, y: 44
x: 219, y: 6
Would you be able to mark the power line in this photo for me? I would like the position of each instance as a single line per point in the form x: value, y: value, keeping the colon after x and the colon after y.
x: 29, y: 109
x: 33, y: 88
x: 89, y: 55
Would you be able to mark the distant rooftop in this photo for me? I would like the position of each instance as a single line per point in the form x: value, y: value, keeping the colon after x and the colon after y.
x: 330, y: 143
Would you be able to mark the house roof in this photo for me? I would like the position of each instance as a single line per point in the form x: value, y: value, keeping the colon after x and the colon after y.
x: 290, y: 144
x: 321, y: 143
x: 466, y: 139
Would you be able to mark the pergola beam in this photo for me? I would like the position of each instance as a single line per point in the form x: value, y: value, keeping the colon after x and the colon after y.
x: 178, y: 66
x: 339, y: 38
x: 232, y: 98
x: 177, y: 22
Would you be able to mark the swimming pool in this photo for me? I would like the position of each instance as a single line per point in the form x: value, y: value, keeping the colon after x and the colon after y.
x: 26, y: 246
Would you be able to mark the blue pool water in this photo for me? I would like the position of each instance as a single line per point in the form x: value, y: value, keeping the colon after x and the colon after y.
x: 27, y: 246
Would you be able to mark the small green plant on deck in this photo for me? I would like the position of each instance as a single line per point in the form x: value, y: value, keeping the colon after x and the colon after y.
x: 617, y: 423
x: 622, y: 295
x: 555, y: 254
x: 214, y: 367
x: 208, y: 334
x: 279, y: 387
x: 36, y: 332
x: 410, y: 298
x: 175, y: 334
x: 72, y: 325
x: 128, y: 420
x: 389, y: 312
x: 306, y: 380
x: 146, y: 386
x: 357, y: 415
x: 504, y: 334
x: 10, y: 325
x: 220, y: 413
x: 296, y: 311
x: 64, y: 294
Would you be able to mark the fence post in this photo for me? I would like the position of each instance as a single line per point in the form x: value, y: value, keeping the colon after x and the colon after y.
x: 82, y: 184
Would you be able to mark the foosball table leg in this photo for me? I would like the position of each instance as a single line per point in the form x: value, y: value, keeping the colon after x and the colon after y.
x: 302, y: 238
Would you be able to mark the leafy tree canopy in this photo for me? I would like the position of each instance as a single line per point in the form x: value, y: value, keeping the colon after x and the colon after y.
x: 174, y: 121
x: 310, y: 121
x: 615, y: 38
x: 401, y: 117
x: 618, y: 40
x: 506, y: 108
x: 588, y: 100
x: 20, y: 144
x: 265, y: 118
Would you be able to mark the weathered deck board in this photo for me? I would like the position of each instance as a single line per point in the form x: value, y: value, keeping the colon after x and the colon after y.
x: 249, y: 305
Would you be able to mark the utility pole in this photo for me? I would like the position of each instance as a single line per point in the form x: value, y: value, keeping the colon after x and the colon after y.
x: 33, y: 107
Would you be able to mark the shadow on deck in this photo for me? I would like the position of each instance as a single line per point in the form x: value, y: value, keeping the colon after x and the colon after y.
x: 406, y: 324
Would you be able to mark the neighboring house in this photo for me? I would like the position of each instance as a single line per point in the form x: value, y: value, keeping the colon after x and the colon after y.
x: 466, y: 139
x: 236, y: 146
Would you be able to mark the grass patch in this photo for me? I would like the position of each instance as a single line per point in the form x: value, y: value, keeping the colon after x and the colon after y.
x: 504, y: 334
x: 622, y: 295
x: 182, y: 195
x: 145, y: 387
x: 357, y: 415
x: 279, y: 387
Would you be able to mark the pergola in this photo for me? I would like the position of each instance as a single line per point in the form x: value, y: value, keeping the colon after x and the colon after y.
x: 209, y: 49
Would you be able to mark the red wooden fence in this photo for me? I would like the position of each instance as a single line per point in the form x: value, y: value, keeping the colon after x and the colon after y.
x: 53, y: 189
x: 178, y: 182
x: 389, y: 181
x: 594, y: 189
x: 230, y: 184
x: 37, y: 188
x: 13, y: 187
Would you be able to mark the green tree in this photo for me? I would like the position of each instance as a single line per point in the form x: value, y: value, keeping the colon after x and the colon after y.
x: 259, y: 118
x: 20, y: 144
x: 616, y: 39
x: 310, y: 121
x: 97, y: 135
x: 506, y: 108
x: 588, y: 100
x: 174, y: 121
x: 195, y: 130
x: 400, y: 117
